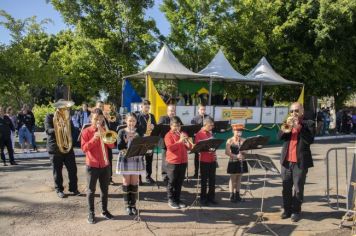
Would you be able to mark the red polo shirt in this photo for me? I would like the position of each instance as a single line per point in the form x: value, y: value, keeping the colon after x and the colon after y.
x: 92, y: 149
x: 205, y: 156
x: 176, y: 152
x: 292, y: 148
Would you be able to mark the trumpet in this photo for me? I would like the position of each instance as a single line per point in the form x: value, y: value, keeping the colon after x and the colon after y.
x: 186, y: 139
x: 106, y: 137
x: 287, y: 125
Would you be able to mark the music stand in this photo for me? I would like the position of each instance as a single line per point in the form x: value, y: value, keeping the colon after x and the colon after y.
x: 139, y: 147
x: 209, y: 145
x: 251, y: 143
x: 191, y: 130
x: 221, y: 126
x: 267, y: 164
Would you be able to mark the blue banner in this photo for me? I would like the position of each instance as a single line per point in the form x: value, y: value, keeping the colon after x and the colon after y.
x: 130, y: 95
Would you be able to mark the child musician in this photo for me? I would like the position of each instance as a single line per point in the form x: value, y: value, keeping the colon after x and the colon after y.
x: 207, y: 164
x: 130, y: 168
x: 97, y: 163
x: 237, y: 165
x: 177, y: 157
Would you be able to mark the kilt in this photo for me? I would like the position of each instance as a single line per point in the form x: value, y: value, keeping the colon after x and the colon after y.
x: 130, y: 166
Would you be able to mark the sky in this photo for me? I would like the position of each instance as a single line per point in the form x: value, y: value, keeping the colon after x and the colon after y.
x: 21, y: 9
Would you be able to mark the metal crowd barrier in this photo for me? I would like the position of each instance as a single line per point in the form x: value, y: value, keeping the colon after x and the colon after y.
x: 341, y: 155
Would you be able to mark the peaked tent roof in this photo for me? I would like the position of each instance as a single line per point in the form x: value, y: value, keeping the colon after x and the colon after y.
x: 220, y: 67
x: 264, y: 72
x: 166, y: 66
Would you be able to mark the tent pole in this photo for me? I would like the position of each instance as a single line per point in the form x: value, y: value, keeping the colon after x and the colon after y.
x: 146, y: 90
x: 260, y: 100
x: 210, y: 89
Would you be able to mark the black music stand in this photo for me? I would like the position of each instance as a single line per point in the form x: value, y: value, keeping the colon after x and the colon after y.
x: 191, y: 130
x: 251, y: 143
x: 267, y: 164
x: 139, y: 147
x: 221, y: 126
x: 209, y: 145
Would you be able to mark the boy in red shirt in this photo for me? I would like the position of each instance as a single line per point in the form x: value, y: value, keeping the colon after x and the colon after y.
x: 97, y: 164
x: 177, y: 158
x: 207, y: 164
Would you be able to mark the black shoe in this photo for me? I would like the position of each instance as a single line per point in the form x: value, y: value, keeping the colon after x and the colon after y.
x: 238, y: 197
x: 285, y: 215
x: 173, y: 205
x: 60, y: 194
x: 212, y: 201
x: 91, y: 218
x: 295, y: 217
x: 13, y: 163
x: 195, y: 176
x: 134, y: 210
x: 129, y: 211
x: 76, y: 193
x: 204, y: 202
x: 107, y: 215
x: 182, y: 204
x: 232, y: 197
x: 149, y: 180
x: 5, y: 164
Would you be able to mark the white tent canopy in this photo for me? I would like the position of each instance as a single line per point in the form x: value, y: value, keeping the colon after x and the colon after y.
x: 166, y: 66
x: 221, y: 68
x: 264, y: 72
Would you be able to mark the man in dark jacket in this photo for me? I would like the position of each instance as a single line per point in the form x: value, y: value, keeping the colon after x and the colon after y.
x: 58, y: 159
x: 84, y: 115
x: 6, y: 127
x: 296, y: 158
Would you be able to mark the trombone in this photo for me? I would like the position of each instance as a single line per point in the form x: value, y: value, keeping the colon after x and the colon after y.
x: 106, y: 137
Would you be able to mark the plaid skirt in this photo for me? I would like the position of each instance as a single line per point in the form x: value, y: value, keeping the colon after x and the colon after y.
x: 130, y: 166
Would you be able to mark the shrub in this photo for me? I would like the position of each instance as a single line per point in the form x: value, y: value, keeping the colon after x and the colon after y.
x: 40, y: 113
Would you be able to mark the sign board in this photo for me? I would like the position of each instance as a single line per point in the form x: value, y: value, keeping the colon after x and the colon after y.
x: 185, y: 113
x: 236, y: 114
x: 218, y: 112
x: 281, y: 114
x: 256, y: 115
x: 268, y: 115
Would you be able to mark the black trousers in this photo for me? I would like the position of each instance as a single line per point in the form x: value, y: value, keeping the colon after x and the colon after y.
x: 6, y: 142
x: 93, y: 175
x: 293, y: 176
x: 68, y: 159
x: 149, y: 159
x: 207, y: 173
x: 110, y: 156
x: 164, y: 165
x: 196, y: 163
x: 176, y: 175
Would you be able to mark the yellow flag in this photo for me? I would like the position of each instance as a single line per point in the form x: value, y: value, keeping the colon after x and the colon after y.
x: 158, y: 107
x: 301, y: 97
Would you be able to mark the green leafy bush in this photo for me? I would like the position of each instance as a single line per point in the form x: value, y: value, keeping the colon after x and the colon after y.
x: 40, y: 113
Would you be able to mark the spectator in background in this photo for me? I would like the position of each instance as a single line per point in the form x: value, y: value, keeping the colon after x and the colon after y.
x: 269, y: 102
x: 195, y: 99
x: 346, y: 122
x: 188, y: 99
x: 244, y: 102
x: 5, y: 137
x: 338, y: 120
x: 227, y: 101
x: 33, y: 128
x: 354, y: 122
x: 326, y: 121
x: 83, y: 115
x: 320, y: 122
x: 75, y: 127
x: 237, y: 102
x: 25, y: 125
x: 13, y: 118
x: 181, y: 100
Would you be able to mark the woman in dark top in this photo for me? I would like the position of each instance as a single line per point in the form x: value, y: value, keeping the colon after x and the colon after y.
x: 130, y: 168
x: 237, y: 165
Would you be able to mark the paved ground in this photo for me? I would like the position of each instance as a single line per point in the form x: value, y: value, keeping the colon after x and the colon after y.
x: 29, y: 205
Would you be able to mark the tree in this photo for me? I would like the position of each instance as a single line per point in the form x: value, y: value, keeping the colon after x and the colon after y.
x: 109, y: 40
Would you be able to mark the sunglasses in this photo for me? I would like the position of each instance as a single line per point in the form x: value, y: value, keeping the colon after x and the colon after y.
x: 296, y: 111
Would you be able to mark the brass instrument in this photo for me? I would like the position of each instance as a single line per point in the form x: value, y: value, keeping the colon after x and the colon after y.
x: 148, y: 127
x: 61, y: 125
x: 287, y: 125
x: 186, y: 139
x: 106, y: 137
